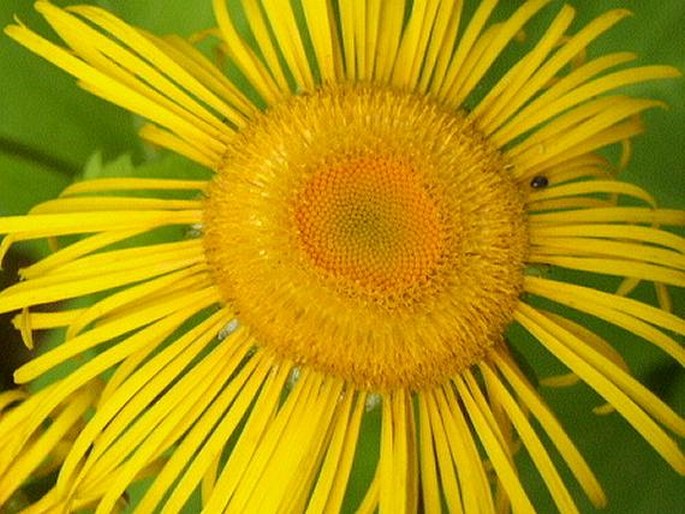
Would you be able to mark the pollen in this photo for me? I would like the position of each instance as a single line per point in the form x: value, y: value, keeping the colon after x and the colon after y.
x: 368, y: 233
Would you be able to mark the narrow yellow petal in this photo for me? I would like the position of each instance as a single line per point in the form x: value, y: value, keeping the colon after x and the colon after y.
x: 112, y: 203
x: 9, y: 397
x: 475, y: 67
x: 592, y: 187
x: 551, y: 337
x: 108, y: 331
x: 476, y: 493
x: 262, y: 415
x: 141, y: 387
x: 414, y: 43
x: 622, y: 232
x: 532, y: 400
x: 244, y: 57
x: 493, y: 446
x: 328, y: 493
x: 614, y: 266
x: 389, y: 22
x: 574, y: 296
x: 288, y: 38
x: 124, y: 65
x: 166, y: 139
x: 441, y: 42
x: 221, y: 390
x: 118, y: 305
x: 192, y: 60
x: 535, y: 114
x: 46, y: 225
x: 429, y: 475
x: 321, y: 26
x: 113, y: 90
x: 580, y: 246
x: 443, y: 82
x: 302, y: 448
x: 260, y: 29
x: 133, y: 184
x: 304, y: 392
x: 72, y: 284
x: 33, y: 455
x: 198, y: 456
x: 560, y: 494
x: 621, y: 377
x: 451, y: 484
x: 166, y: 66
x: 347, y: 14
x: 573, y: 128
x: 612, y: 214
x: 72, y: 252
x: 497, y: 106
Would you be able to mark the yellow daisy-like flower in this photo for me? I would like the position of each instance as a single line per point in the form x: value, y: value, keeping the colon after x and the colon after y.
x: 383, y: 206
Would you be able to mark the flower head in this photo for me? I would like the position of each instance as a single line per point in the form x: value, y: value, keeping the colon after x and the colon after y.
x: 383, y: 200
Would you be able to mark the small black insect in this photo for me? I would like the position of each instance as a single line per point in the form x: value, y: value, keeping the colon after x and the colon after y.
x: 539, y: 182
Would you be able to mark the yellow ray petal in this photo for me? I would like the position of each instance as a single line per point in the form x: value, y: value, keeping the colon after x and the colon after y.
x: 105, y: 203
x: 207, y: 73
x: 390, y: 17
x: 244, y: 56
x: 413, y: 44
x: 441, y: 42
x: 621, y: 232
x: 301, y: 448
x: 611, y: 214
x: 560, y: 494
x: 114, y: 91
x: 614, y: 266
x: 120, y: 304
x: 475, y: 66
x: 262, y: 35
x: 305, y: 391
x: 222, y: 389
x: 289, y: 41
x: 592, y: 187
x: 429, y: 475
x: 165, y: 65
x: 133, y: 184
x: 497, y: 105
x: 141, y: 387
x: 321, y: 22
x: 532, y: 400
x: 476, y: 493
x: 443, y: 82
x: 216, y: 426
x: 74, y: 251
x: 618, y: 375
x: 451, y: 484
x: 493, y: 447
x: 46, y: 225
x: 553, y: 337
x: 537, y: 113
x: 33, y: 455
x: 579, y: 246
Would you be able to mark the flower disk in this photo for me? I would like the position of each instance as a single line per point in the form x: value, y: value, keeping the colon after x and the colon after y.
x: 370, y: 234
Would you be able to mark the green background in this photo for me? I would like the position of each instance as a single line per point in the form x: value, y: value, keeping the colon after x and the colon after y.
x: 50, y: 130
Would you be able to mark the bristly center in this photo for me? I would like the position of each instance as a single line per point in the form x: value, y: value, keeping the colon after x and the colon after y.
x: 370, y: 234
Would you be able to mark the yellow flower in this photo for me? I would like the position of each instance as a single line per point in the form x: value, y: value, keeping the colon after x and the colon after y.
x: 384, y: 206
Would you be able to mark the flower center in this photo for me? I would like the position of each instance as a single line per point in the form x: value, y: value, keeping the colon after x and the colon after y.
x: 353, y: 224
x: 368, y: 233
